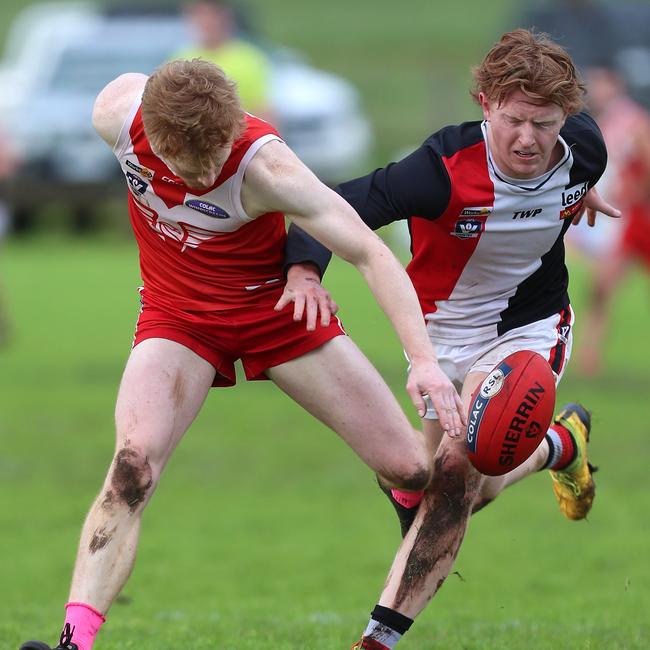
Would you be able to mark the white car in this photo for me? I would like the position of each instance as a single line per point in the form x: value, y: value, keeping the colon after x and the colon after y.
x: 59, y: 56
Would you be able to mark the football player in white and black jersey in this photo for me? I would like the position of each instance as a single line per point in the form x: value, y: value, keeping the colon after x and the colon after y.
x: 209, y: 188
x: 487, y: 204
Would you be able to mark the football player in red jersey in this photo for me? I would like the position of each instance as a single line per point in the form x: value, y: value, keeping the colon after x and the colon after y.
x: 208, y: 190
x: 613, y: 251
x: 488, y: 204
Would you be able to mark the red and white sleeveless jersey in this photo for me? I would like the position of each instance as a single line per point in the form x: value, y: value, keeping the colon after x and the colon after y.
x: 488, y: 250
x: 199, y: 250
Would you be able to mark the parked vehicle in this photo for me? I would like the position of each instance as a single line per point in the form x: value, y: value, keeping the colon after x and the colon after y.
x: 58, y: 57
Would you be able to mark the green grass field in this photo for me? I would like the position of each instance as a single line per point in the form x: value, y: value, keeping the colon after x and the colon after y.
x: 266, y: 531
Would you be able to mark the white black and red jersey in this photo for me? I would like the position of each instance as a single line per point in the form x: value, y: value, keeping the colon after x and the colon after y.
x: 199, y: 250
x: 488, y: 251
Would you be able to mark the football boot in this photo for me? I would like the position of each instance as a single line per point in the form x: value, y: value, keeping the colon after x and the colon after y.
x: 574, y: 485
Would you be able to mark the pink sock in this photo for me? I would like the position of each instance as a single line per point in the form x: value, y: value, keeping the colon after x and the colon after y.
x: 82, y: 622
x: 408, y: 499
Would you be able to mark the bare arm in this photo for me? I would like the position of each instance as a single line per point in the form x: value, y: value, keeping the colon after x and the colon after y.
x: 113, y: 103
x: 277, y: 180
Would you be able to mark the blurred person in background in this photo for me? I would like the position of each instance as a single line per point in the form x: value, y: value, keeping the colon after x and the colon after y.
x: 214, y: 26
x: 611, y: 251
x: 488, y: 205
x: 208, y: 190
x: 8, y: 164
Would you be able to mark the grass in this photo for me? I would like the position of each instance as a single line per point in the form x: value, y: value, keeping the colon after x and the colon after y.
x: 266, y: 531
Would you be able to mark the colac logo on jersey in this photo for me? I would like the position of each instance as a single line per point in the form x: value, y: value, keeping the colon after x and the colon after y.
x: 143, y: 171
x: 572, y: 200
x: 467, y: 228
x: 136, y: 184
x: 526, y: 214
x: 210, y: 209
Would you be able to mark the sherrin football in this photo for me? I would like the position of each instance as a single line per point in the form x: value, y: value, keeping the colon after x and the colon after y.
x: 510, y: 413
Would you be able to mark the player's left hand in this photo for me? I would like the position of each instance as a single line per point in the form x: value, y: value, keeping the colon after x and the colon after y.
x: 426, y: 378
x: 310, y: 298
x: 594, y: 203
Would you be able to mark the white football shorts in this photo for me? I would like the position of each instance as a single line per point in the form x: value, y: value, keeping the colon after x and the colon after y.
x: 551, y: 337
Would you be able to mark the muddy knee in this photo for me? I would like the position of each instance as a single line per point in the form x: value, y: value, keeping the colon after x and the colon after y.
x: 131, y: 479
x: 455, y: 476
x: 411, y: 477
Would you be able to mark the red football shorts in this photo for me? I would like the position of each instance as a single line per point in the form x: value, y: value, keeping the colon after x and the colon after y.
x: 257, y: 334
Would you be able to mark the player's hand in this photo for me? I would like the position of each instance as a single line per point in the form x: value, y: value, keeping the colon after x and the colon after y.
x: 594, y: 203
x: 309, y: 298
x: 426, y: 378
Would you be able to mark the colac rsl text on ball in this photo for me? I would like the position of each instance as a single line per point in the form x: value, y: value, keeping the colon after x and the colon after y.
x: 510, y: 413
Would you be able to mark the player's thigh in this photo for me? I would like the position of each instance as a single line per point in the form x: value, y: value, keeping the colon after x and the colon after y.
x: 162, y: 389
x: 339, y: 386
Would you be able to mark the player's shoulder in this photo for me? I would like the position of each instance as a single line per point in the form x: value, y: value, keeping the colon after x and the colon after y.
x: 581, y: 126
x: 255, y: 129
x: 452, y: 139
x: 113, y: 103
x: 585, y: 139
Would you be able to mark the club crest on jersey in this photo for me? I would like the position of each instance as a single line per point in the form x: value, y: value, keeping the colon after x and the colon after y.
x: 573, y: 199
x: 210, y: 209
x: 136, y: 184
x: 143, y: 171
x: 468, y: 228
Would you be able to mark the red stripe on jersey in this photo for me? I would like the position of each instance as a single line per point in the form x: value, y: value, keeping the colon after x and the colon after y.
x: 558, y: 353
x: 443, y: 246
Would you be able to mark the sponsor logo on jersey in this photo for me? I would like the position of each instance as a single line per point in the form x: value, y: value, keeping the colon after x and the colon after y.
x: 210, y: 209
x: 468, y: 228
x: 476, y: 212
x: 143, y: 171
x: 173, y: 181
x: 526, y: 214
x: 489, y: 388
x: 572, y: 200
x: 136, y: 184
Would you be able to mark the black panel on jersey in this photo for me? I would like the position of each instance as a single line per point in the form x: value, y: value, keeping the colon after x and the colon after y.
x: 543, y: 293
x: 588, y: 148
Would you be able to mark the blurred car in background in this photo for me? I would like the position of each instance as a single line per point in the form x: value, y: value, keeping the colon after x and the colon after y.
x: 58, y: 57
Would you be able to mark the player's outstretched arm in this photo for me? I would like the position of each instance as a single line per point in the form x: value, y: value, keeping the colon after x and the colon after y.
x: 277, y: 180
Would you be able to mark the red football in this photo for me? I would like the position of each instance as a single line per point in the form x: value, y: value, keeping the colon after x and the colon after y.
x: 510, y: 413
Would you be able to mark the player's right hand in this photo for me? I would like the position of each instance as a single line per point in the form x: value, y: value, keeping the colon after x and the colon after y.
x: 427, y: 379
x: 310, y: 298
